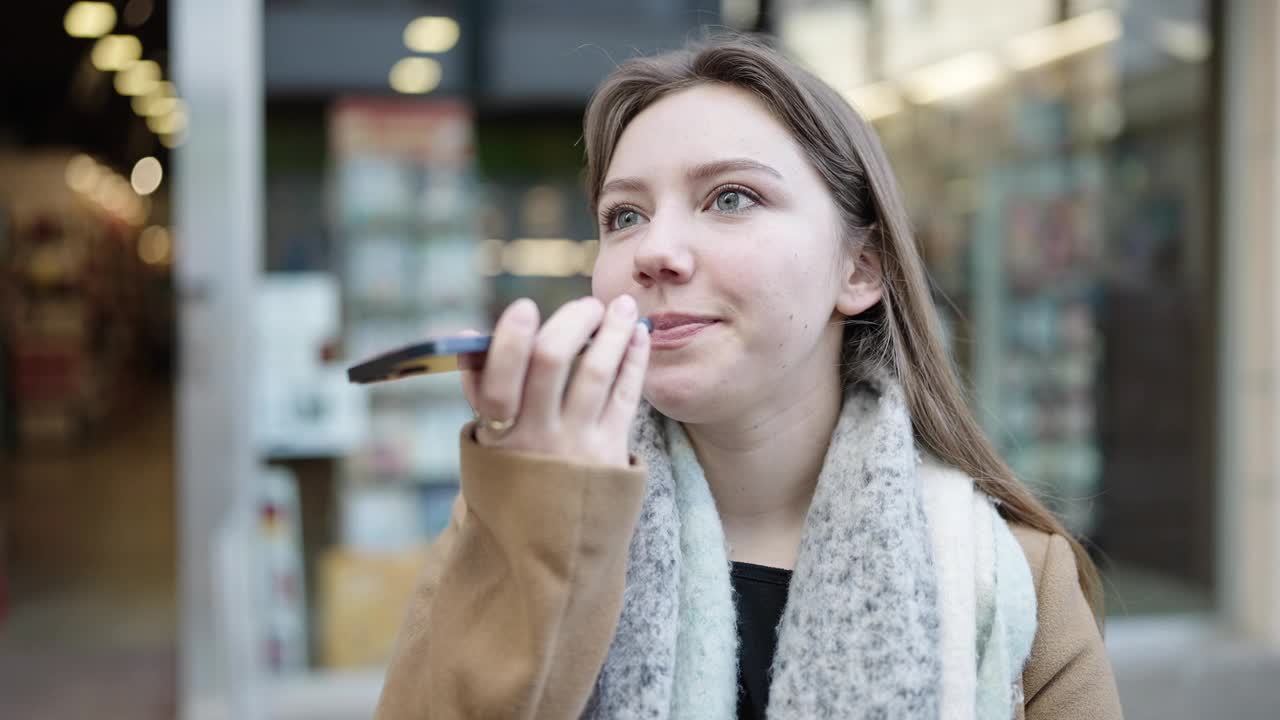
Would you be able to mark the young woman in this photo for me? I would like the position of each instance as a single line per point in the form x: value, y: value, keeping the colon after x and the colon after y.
x: 777, y: 504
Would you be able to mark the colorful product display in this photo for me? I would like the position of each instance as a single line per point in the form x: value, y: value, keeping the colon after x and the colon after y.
x: 405, y: 211
x: 279, y: 563
x: 73, y: 309
x: 1016, y: 247
x: 404, y: 206
x: 1051, y: 348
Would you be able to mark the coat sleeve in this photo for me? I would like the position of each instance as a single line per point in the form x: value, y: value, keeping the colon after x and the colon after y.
x: 1068, y: 674
x: 513, y: 615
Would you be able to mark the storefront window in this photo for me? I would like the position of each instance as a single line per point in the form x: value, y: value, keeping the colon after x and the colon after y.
x: 1055, y: 160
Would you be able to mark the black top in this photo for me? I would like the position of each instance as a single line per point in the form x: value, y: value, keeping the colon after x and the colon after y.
x: 760, y: 593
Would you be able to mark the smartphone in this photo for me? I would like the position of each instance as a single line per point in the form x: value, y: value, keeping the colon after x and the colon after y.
x: 443, y: 354
x: 437, y: 355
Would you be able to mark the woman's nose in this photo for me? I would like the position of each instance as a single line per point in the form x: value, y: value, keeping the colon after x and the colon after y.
x: 663, y: 255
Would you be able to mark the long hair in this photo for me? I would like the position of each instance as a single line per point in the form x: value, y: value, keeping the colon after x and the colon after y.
x: 901, y: 333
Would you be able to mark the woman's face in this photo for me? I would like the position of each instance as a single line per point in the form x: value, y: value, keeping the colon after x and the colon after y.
x: 710, y: 211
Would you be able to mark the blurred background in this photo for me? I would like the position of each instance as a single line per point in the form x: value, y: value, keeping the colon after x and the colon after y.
x: 209, y: 209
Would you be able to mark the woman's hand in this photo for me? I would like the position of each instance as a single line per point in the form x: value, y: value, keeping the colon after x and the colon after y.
x: 577, y: 409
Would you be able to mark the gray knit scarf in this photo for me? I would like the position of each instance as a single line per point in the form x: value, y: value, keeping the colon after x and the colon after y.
x: 859, y: 637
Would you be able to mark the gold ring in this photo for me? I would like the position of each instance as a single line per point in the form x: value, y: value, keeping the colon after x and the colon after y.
x: 498, y: 426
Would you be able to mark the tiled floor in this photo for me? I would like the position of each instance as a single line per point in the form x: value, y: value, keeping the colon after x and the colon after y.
x: 91, y: 631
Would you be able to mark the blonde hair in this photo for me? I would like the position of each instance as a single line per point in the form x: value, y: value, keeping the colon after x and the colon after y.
x: 901, y: 333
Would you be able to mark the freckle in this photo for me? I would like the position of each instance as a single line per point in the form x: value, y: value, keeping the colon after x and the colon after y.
x: 792, y: 316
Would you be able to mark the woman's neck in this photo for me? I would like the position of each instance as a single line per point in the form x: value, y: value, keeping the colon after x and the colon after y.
x: 763, y: 468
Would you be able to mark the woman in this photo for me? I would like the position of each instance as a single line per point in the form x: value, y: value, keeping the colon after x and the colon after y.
x: 803, y: 519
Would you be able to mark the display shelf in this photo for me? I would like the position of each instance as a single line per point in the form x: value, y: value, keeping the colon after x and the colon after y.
x: 404, y: 211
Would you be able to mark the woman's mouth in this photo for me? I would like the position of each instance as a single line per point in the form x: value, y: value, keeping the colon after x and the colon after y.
x: 675, y: 331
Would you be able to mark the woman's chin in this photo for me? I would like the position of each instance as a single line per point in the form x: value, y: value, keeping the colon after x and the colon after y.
x: 679, y: 395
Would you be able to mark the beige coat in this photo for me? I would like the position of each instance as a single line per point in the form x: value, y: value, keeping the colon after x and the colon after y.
x: 518, y: 602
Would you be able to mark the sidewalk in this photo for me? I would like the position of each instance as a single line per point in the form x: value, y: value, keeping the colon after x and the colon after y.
x: 92, y: 625
x: 1185, y: 668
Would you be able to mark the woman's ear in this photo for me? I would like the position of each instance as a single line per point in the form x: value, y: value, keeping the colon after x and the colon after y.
x: 861, y: 284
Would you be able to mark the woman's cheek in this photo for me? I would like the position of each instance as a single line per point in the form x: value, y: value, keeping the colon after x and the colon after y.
x: 604, y: 277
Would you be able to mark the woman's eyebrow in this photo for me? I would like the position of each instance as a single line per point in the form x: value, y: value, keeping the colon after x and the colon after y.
x: 635, y: 185
x: 695, y: 174
x: 706, y: 171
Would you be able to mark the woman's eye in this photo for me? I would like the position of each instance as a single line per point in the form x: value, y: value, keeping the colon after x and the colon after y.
x: 625, y: 219
x: 733, y: 201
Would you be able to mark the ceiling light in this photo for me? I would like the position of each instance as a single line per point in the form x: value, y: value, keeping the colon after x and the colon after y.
x: 89, y: 19
x: 174, y: 122
x: 115, y: 195
x: 155, y: 246
x: 103, y: 187
x: 146, y: 176
x: 162, y: 100
x: 115, y: 52
x: 431, y: 34
x: 165, y: 105
x: 173, y: 140
x: 415, y: 75
x: 140, y: 78
x: 952, y: 78
x: 82, y: 173
x: 151, y: 105
x: 1061, y: 40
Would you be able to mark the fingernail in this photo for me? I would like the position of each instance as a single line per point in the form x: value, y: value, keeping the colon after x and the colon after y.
x: 624, y: 305
x: 522, y: 311
x: 646, y: 323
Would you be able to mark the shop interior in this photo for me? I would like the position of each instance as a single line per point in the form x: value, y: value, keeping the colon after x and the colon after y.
x: 88, y: 530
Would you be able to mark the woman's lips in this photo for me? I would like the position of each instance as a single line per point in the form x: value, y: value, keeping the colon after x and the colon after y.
x: 677, y: 336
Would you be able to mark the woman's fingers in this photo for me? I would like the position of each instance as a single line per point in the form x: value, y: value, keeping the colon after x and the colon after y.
x: 470, y: 375
x: 499, y: 390
x: 563, y: 402
x: 620, y: 409
x: 557, y: 345
x: 597, y: 371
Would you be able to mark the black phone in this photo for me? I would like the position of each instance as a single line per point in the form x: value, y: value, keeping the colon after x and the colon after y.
x: 437, y: 355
